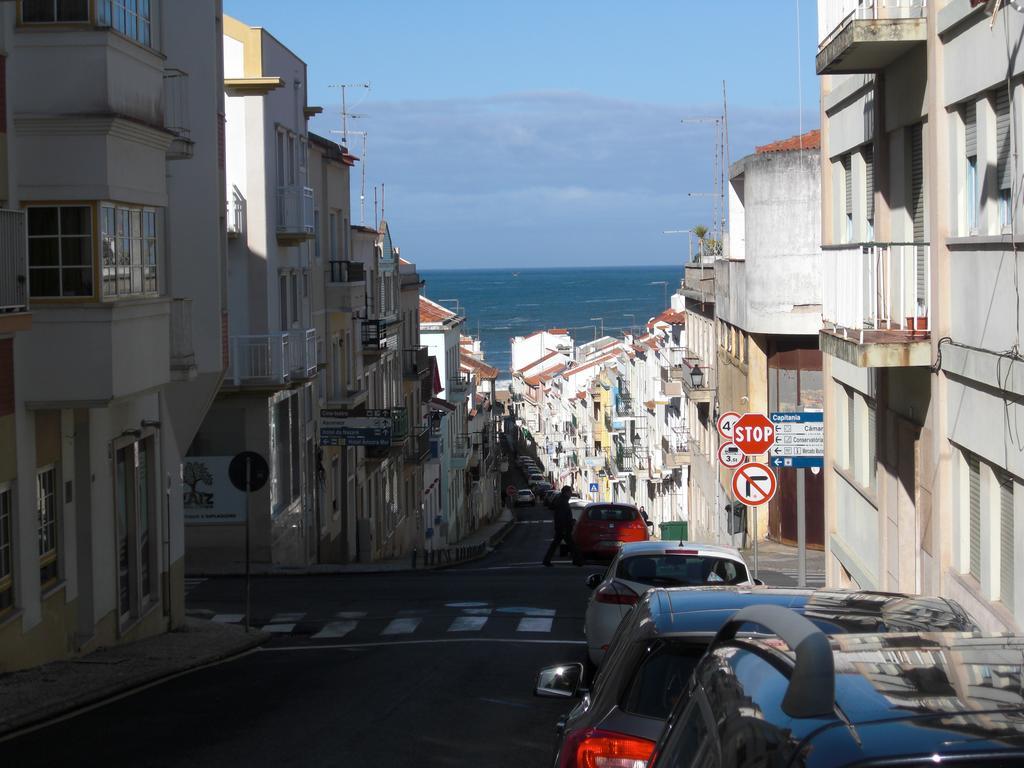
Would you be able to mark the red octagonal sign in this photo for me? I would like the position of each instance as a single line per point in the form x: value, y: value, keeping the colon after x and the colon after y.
x: 753, y: 433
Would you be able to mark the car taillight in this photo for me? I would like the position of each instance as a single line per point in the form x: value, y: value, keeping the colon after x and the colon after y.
x: 616, y: 594
x: 594, y: 748
x: 637, y: 525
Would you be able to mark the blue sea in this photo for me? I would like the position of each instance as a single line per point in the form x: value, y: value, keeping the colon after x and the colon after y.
x: 501, y: 303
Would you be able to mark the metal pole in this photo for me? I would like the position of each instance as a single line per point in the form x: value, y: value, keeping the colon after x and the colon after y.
x: 248, y: 535
x: 801, y: 529
x: 755, y: 539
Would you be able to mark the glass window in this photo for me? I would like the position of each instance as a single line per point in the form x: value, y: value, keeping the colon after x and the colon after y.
x: 131, y: 18
x: 44, y: 11
x: 678, y: 570
x: 661, y: 679
x: 6, y: 549
x: 1004, y: 208
x: 60, y: 251
x: 611, y: 514
x: 972, y: 194
x: 46, y: 507
x: 688, y: 736
x: 129, y: 243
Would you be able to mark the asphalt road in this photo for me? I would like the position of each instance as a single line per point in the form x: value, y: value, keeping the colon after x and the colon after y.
x: 408, y: 669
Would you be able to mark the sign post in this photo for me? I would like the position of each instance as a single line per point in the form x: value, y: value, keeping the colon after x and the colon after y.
x: 799, y: 443
x: 248, y: 472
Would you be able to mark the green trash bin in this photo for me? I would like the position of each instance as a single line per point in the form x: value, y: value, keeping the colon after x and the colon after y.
x: 675, y: 530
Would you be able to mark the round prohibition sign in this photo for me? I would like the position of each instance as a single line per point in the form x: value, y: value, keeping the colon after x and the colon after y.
x: 730, y: 456
x: 726, y: 422
x: 754, y: 484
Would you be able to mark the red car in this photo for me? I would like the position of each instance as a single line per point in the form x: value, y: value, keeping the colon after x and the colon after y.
x: 605, y: 526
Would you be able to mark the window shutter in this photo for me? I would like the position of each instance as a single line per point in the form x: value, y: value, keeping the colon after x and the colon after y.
x: 1006, y: 569
x: 851, y: 433
x: 848, y: 179
x: 974, y: 515
x: 869, y: 181
x: 971, y: 129
x: 1003, y: 139
x: 872, y: 437
x: 917, y: 206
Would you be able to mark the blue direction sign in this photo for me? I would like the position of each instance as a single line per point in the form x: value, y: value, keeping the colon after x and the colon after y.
x: 799, y: 440
x: 339, y: 428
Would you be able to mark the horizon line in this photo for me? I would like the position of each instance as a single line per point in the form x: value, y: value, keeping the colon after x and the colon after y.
x: 544, y: 269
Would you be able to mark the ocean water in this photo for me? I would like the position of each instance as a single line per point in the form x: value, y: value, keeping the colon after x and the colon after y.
x: 501, y: 303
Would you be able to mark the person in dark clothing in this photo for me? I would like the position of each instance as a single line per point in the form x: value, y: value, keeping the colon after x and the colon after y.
x: 563, y: 527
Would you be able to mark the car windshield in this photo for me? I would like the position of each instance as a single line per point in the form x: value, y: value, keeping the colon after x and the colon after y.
x: 674, y: 570
x: 611, y: 514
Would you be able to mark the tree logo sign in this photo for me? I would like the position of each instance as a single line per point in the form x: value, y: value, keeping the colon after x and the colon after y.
x: 207, y: 494
x: 198, y: 485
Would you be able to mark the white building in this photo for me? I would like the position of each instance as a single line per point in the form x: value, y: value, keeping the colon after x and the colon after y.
x: 118, y: 182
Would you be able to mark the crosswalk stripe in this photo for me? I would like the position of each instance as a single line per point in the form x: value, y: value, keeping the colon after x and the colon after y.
x: 350, y: 614
x: 279, y: 629
x: 228, y: 618
x: 468, y: 624
x: 533, y: 624
x: 401, y: 627
x: 286, y: 618
x: 336, y: 629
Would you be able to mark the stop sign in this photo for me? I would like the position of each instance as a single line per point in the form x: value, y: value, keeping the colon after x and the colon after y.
x: 753, y: 433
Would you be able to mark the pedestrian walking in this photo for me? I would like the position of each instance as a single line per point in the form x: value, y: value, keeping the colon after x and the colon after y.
x: 563, y: 527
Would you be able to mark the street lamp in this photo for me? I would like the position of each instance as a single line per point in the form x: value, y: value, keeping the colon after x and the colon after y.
x: 696, y: 376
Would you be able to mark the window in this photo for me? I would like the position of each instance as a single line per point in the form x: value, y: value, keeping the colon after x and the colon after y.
x: 60, y: 251
x: 44, y: 11
x: 333, y: 225
x: 661, y: 679
x: 972, y: 194
x: 134, y: 506
x: 131, y: 18
x: 280, y: 159
x: 6, y: 549
x: 1006, y: 569
x: 129, y: 242
x: 1004, y: 182
x: 868, y: 155
x: 872, y: 468
x: 847, y: 162
x: 974, y: 515
x: 283, y: 300
x: 316, y: 235
x: 46, y: 507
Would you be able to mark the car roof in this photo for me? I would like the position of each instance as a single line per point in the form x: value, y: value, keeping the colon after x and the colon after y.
x: 613, y: 504
x: 689, y: 610
x: 658, y: 547
x: 893, y: 676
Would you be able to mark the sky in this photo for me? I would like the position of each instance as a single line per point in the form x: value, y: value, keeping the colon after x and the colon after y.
x: 548, y: 132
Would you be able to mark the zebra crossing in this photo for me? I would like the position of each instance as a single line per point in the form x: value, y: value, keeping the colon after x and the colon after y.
x: 459, y: 619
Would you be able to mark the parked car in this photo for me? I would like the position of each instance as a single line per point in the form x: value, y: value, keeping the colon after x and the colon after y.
x: 535, y: 477
x: 883, y: 700
x: 642, y: 565
x: 525, y: 498
x: 605, y: 526
x: 649, y: 661
x: 577, y: 506
x: 550, y: 495
x: 539, y: 489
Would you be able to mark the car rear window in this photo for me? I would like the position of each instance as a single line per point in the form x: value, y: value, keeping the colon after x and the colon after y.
x: 666, y: 570
x: 611, y: 514
x: 661, y: 678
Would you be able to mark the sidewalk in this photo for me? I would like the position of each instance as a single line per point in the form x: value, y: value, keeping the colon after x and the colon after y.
x: 472, y: 547
x: 37, y: 695
x: 774, y: 556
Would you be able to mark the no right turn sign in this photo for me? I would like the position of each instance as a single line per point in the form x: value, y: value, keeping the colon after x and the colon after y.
x: 754, y: 484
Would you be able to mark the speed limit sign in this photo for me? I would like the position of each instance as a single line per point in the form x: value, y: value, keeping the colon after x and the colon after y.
x: 726, y: 422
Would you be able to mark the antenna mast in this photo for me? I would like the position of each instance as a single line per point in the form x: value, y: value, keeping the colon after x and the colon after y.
x: 344, y: 108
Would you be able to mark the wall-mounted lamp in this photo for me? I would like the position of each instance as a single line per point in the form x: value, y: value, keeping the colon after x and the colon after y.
x: 136, y: 433
x: 150, y: 423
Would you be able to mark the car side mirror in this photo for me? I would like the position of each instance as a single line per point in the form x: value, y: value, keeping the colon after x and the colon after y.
x: 559, y: 682
x: 758, y: 583
x: 593, y: 580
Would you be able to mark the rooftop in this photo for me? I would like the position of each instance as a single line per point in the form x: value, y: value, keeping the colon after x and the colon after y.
x: 809, y: 140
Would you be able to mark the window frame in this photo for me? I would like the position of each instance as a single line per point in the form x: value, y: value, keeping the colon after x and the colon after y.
x: 7, y: 594
x: 89, y: 238
x: 143, y: 239
x: 109, y: 11
x: 139, y: 525
x: 55, y: 4
x: 49, y: 559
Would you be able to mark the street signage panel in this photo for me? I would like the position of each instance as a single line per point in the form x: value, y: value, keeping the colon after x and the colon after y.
x: 754, y: 484
x: 338, y: 428
x: 753, y: 433
x: 730, y: 455
x: 248, y: 471
x: 593, y: 487
x: 726, y: 422
x: 799, y: 439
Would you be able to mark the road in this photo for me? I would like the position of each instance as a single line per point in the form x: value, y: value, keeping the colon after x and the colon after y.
x: 428, y: 668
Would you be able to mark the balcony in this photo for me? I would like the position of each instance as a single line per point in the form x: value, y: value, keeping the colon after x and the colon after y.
x: 459, y: 385
x: 236, y: 213
x: 672, y: 380
x: 415, y: 363
x: 459, y: 453
x: 183, y: 356
x: 273, y: 359
x: 675, y: 451
x: 417, y: 450
x: 376, y: 338
x: 176, y: 119
x: 399, y: 425
x: 347, y: 398
x: 624, y: 406
x: 344, y: 285
x: 876, y: 304
x: 294, y: 214
x: 867, y: 35
x: 13, y: 262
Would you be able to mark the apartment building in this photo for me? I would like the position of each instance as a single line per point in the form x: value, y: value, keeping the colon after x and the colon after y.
x: 112, y: 186
x: 921, y: 115
x: 768, y: 309
x: 417, y: 389
x: 266, y: 403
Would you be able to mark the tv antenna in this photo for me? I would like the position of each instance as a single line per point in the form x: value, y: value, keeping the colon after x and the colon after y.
x: 344, y: 108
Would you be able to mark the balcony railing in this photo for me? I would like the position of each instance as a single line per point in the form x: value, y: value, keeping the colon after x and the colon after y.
x: 836, y: 14
x: 295, y: 212
x: 676, y: 451
x: 273, y: 358
x: 376, y: 337
x: 176, y: 119
x: 624, y: 405
x: 459, y: 452
x: 417, y: 450
x: 183, y: 356
x: 13, y: 262
x: 415, y: 362
x: 875, y: 288
x: 236, y: 213
x: 345, y: 272
x: 399, y: 424
x: 459, y: 384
